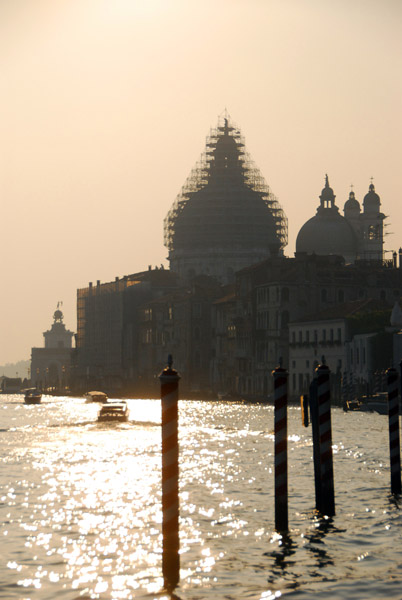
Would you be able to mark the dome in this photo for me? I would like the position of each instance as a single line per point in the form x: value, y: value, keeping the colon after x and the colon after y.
x: 352, y: 203
x: 327, y: 232
x: 225, y: 204
x: 371, y: 200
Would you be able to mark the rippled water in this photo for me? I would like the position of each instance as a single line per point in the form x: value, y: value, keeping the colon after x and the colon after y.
x: 80, y: 506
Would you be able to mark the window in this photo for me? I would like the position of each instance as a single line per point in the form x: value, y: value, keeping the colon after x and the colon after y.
x: 197, y: 310
x: 324, y: 295
x: 147, y: 336
x: 339, y: 334
x: 307, y: 336
x: 285, y: 319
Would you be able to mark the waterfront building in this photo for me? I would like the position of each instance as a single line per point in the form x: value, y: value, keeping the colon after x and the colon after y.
x: 350, y: 337
x: 180, y: 324
x: 107, y: 354
x: 50, y: 366
x: 225, y: 217
x: 275, y: 294
x: 10, y: 385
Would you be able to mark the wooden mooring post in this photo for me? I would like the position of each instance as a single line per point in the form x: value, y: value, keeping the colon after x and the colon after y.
x: 316, y: 442
x: 325, y: 436
x: 393, y: 425
x: 280, y: 376
x: 169, y: 379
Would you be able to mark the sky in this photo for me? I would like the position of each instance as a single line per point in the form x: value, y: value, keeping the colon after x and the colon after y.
x: 105, y: 106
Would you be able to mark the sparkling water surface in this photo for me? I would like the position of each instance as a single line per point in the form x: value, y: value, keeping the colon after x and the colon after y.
x: 80, y: 505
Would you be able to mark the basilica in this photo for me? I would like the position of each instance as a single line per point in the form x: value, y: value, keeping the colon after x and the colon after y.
x: 231, y: 303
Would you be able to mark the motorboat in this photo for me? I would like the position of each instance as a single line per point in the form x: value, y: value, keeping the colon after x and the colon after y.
x: 113, y: 411
x: 96, y: 397
x: 32, y: 396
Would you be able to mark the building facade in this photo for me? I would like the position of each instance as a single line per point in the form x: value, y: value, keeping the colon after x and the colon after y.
x: 51, y: 365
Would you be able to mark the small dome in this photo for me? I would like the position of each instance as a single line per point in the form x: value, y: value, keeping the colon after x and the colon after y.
x: 371, y: 200
x: 58, y: 315
x: 352, y: 203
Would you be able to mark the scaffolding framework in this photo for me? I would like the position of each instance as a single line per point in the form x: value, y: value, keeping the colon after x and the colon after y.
x: 224, y: 187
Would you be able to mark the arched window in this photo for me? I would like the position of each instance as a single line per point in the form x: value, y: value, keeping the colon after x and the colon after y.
x: 285, y: 294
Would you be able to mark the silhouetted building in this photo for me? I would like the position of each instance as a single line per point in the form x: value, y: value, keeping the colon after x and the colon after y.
x: 276, y: 293
x: 50, y: 366
x: 107, y: 354
x: 225, y: 308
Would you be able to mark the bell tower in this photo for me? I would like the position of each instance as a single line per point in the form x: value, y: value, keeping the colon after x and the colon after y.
x: 372, y: 239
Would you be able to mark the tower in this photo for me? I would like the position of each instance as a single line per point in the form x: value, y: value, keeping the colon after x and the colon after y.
x: 372, y: 239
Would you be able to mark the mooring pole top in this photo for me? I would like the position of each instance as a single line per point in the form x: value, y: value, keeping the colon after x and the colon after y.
x: 280, y: 370
x: 323, y: 365
x: 168, y: 372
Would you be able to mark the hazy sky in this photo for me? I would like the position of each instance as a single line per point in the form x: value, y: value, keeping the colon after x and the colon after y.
x: 105, y: 106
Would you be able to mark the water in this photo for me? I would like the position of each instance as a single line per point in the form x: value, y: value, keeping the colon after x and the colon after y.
x: 80, y: 506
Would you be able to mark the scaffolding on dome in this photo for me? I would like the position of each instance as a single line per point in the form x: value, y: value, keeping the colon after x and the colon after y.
x: 200, y: 177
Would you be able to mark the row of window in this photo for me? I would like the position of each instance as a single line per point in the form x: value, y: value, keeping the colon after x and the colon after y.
x: 327, y: 335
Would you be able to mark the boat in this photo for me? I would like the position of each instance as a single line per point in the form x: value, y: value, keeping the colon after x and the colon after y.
x: 96, y: 397
x: 32, y: 396
x: 354, y: 404
x: 228, y: 396
x: 375, y: 403
x: 114, y: 411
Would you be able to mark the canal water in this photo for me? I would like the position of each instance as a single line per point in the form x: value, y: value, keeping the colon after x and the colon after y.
x: 80, y: 505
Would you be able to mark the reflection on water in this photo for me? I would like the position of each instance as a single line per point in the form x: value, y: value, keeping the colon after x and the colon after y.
x: 80, y: 505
